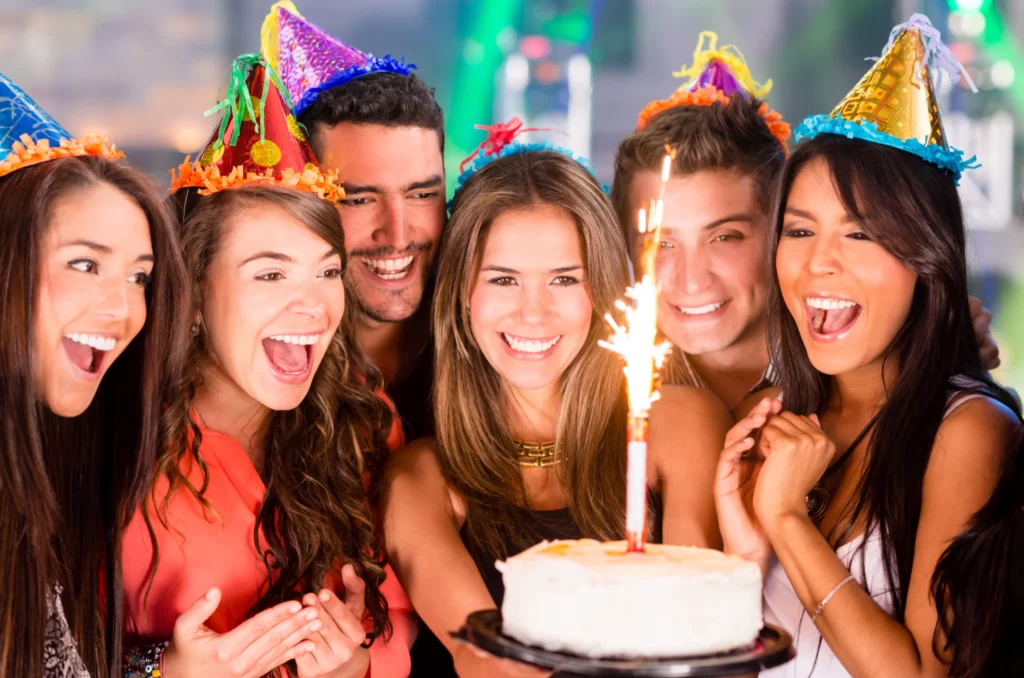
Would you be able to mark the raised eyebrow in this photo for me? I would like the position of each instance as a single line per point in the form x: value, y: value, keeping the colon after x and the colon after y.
x: 435, y: 181
x: 731, y: 219
x: 800, y: 213
x: 102, y: 249
x: 276, y: 256
x: 330, y: 253
x: 145, y: 257
x: 355, y: 188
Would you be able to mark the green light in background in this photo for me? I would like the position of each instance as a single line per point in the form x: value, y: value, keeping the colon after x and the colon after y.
x: 1003, y: 48
x: 487, y: 28
x: 968, y: 5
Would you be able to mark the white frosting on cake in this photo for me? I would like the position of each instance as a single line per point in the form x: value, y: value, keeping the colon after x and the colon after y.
x: 593, y: 599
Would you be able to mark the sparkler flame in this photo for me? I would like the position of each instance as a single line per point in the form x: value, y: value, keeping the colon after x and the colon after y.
x: 637, y: 341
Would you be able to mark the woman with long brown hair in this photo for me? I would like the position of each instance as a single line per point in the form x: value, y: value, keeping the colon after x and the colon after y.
x: 260, y: 505
x: 91, y: 295
x: 530, y: 410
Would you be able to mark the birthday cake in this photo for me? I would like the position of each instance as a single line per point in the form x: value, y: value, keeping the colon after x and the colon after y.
x: 593, y: 599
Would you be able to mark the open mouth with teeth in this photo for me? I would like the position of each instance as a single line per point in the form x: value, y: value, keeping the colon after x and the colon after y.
x: 390, y: 269
x: 830, y: 318
x: 531, y: 348
x: 87, y: 351
x: 697, y: 311
x: 290, y: 355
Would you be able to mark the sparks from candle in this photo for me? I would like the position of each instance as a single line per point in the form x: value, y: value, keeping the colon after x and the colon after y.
x: 636, y: 341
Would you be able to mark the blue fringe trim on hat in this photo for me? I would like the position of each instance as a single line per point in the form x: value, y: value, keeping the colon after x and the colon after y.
x: 517, y: 148
x: 950, y: 159
x: 386, y: 64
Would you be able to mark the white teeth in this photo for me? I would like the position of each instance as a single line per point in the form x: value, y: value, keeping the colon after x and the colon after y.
x: 528, y: 345
x: 701, y: 310
x: 94, y: 341
x: 390, y: 269
x: 827, y: 304
x: 299, y: 339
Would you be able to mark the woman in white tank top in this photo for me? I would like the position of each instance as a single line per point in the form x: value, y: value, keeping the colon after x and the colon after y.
x: 893, y: 437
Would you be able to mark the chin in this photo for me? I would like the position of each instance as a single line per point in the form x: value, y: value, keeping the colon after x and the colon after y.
x: 834, y: 363
x: 286, y: 398
x: 68, y: 404
x: 529, y: 382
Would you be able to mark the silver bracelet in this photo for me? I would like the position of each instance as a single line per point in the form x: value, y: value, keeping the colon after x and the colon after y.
x: 821, y: 606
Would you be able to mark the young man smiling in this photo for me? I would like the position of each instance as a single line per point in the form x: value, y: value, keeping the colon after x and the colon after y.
x: 383, y: 134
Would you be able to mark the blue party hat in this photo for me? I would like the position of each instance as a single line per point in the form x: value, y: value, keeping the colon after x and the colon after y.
x: 29, y: 135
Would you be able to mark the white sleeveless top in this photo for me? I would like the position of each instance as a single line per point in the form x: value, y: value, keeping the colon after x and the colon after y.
x: 782, y: 606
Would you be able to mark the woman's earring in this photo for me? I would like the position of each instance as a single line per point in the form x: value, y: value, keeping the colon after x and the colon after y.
x: 195, y: 330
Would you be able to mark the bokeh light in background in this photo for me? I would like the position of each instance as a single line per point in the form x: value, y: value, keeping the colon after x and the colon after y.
x: 144, y: 72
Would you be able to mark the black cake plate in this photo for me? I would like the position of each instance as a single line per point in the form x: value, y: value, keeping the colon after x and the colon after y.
x: 772, y: 648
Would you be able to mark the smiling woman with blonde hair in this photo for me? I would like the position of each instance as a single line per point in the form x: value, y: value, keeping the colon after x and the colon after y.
x: 530, y: 411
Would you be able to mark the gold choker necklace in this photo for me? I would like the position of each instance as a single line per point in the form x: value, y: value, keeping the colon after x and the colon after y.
x: 536, y: 454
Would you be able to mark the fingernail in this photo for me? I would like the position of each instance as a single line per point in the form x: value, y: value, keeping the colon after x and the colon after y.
x: 312, y: 614
x: 211, y: 594
x: 294, y: 607
x: 324, y: 596
x: 315, y: 626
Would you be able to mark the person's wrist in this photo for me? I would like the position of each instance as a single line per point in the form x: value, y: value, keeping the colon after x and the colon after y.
x: 777, y: 523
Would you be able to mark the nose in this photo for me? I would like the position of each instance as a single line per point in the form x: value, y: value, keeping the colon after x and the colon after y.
x: 114, y: 305
x: 693, y: 271
x: 396, y: 230
x: 535, y: 306
x: 310, y: 301
x: 823, y: 258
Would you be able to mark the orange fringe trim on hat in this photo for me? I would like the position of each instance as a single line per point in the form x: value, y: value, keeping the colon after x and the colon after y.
x: 210, y: 180
x: 28, y: 152
x: 706, y: 96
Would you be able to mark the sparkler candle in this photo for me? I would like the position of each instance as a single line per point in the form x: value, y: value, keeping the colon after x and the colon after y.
x: 637, y: 343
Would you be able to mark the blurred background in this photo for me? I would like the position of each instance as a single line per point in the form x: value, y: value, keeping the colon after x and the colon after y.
x: 143, y: 73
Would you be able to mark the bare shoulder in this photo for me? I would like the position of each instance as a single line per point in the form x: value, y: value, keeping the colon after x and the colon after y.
x: 688, y: 402
x: 974, y: 437
x: 751, y: 401
x: 419, y: 456
x: 686, y: 422
x: 414, y: 478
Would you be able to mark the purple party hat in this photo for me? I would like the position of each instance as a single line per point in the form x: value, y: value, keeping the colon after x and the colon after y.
x: 310, y: 60
x: 724, y: 69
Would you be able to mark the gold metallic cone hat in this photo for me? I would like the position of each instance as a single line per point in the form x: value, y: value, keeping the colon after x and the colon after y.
x: 897, y: 94
x: 894, y: 104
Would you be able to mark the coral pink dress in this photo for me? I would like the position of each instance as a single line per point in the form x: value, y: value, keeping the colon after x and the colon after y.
x: 204, y: 550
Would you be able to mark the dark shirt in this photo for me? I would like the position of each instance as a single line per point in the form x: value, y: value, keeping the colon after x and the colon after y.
x: 429, y: 656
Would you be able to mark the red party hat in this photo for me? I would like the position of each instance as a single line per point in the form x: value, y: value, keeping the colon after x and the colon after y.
x: 258, y: 140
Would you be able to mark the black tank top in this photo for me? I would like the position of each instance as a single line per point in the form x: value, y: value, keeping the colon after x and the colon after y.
x: 429, y: 656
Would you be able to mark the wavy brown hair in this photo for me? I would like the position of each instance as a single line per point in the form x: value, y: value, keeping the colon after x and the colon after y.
x: 314, y: 516
x: 68, y: 486
x: 475, y: 445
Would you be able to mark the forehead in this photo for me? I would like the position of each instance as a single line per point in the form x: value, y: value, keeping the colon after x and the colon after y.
x: 814, y: 191
x: 82, y: 211
x: 539, y: 238
x: 253, y: 228
x: 380, y: 156
x: 699, y: 198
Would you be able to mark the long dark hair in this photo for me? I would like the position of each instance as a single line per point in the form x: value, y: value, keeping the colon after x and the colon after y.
x: 314, y: 516
x: 912, y: 209
x: 980, y: 627
x: 475, y: 446
x: 68, y: 486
